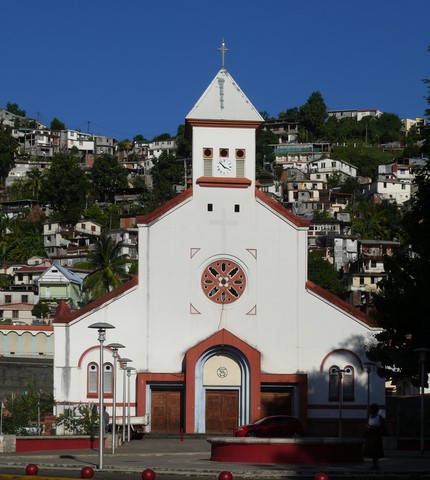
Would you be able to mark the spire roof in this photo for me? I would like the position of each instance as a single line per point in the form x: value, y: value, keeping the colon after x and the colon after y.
x: 224, y: 100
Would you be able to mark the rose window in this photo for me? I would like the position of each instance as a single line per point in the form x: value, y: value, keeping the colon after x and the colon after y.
x: 223, y: 281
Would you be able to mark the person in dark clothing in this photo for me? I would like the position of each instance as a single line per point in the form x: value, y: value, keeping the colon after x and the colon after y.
x: 373, y: 447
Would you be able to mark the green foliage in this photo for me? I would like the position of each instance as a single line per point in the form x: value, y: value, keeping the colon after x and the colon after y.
x: 366, y: 159
x: 313, y: 115
x: 140, y: 138
x: 291, y: 115
x: 376, y: 221
x: 14, y: 108
x: 40, y: 310
x: 8, y: 146
x: 166, y: 173
x: 65, y: 187
x: 108, y: 267
x: 322, y: 272
x: 322, y: 215
x: 107, y: 176
x: 80, y: 420
x: 57, y: 125
x: 25, y: 408
x: 264, y: 148
x: 25, y: 240
x: 184, y: 146
x: 161, y: 137
x: 402, y: 306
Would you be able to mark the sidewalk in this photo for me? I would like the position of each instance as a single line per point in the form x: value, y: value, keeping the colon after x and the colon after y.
x: 169, y: 456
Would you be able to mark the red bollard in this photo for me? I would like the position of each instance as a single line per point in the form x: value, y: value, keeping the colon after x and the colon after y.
x: 31, y: 469
x: 321, y: 476
x: 225, y: 475
x: 87, y: 472
x: 148, y: 474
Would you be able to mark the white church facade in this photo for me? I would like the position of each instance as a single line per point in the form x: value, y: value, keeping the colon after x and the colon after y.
x: 221, y: 323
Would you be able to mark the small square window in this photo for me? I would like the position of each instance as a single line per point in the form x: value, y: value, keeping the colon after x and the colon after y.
x: 210, y: 207
x: 237, y: 208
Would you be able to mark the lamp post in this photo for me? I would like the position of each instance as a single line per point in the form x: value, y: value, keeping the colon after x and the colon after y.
x: 114, y: 347
x: 101, y: 328
x: 423, y: 353
x: 124, y: 362
x: 129, y: 370
x: 368, y: 367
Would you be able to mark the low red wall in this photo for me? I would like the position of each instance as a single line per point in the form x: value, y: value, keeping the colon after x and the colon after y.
x: 35, y: 444
x: 287, y: 451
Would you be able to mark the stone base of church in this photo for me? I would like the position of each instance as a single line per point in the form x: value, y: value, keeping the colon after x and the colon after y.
x: 316, y: 450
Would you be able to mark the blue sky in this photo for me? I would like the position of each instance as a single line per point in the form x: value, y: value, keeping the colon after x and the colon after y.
x: 126, y: 67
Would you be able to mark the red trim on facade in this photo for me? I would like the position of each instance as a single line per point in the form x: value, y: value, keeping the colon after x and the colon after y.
x: 144, y: 378
x: 201, y: 122
x: 299, y: 222
x: 338, y: 302
x: 223, y: 337
x: 341, y: 351
x: 224, y: 182
x: 33, y: 328
x: 162, y: 209
x: 301, y: 379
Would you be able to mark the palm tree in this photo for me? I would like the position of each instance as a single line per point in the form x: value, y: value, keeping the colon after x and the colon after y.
x: 108, y: 265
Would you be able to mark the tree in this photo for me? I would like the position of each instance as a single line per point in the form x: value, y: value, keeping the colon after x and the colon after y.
x: 108, y: 267
x: 376, y: 221
x: 184, y: 146
x: 166, y: 173
x: 366, y: 159
x: 161, y: 137
x: 264, y: 148
x: 8, y: 146
x: 140, y: 138
x: 24, y: 408
x: 107, y: 176
x: 57, y: 124
x: 313, y: 115
x: 41, y: 310
x: 387, y: 127
x: 323, y: 273
x: 65, y: 187
x: 403, y: 304
x: 14, y: 108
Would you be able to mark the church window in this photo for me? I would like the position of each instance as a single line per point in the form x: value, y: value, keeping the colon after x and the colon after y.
x: 92, y: 380
x: 240, y: 168
x: 240, y: 153
x: 207, y: 152
x: 223, y: 281
x: 210, y: 207
x: 341, y: 378
x: 223, y: 152
x: 108, y: 379
x: 207, y: 167
x: 237, y: 208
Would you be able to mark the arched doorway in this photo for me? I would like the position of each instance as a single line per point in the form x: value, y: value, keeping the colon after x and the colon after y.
x: 222, y: 378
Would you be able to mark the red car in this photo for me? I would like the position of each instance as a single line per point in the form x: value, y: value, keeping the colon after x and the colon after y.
x: 275, y: 426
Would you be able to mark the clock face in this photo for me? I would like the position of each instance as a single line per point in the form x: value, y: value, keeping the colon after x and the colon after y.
x: 223, y: 281
x: 224, y: 166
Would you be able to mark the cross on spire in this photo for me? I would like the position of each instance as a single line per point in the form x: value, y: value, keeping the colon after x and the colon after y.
x: 223, y: 49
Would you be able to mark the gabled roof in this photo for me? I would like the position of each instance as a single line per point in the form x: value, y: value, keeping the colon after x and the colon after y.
x: 65, y: 314
x: 341, y: 304
x: 224, y: 100
x: 69, y: 275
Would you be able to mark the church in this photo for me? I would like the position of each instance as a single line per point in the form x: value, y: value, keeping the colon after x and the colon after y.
x: 221, y: 324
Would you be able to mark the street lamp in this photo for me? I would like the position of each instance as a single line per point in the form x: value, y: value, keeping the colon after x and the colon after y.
x: 368, y: 367
x: 124, y: 362
x: 129, y: 370
x: 423, y: 353
x: 114, y: 347
x: 101, y: 328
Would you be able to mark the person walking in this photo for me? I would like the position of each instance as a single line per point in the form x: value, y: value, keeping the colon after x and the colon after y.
x: 373, y: 447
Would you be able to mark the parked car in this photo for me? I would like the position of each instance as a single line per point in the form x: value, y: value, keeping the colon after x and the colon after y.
x: 274, y: 426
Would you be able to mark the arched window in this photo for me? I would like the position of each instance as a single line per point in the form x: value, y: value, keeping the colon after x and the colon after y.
x: 107, y: 379
x: 92, y: 380
x: 341, y: 377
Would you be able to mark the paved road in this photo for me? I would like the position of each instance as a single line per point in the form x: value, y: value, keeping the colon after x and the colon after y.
x: 173, y: 459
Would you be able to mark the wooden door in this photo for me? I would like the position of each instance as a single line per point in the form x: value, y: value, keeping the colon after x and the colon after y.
x: 166, y: 411
x: 276, y: 403
x: 222, y: 411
